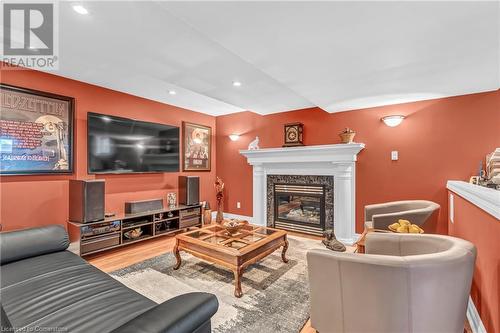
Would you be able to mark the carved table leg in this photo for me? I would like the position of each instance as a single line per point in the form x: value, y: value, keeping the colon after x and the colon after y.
x: 237, y: 282
x: 177, y: 255
x: 285, y: 247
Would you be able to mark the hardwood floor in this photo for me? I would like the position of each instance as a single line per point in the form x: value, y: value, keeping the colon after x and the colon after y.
x: 128, y: 255
x: 307, y: 328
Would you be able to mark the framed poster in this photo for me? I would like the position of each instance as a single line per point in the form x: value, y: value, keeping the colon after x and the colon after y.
x: 196, y: 144
x: 36, y: 132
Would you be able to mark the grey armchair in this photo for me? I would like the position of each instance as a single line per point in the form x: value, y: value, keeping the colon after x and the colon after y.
x: 380, y: 216
x: 404, y: 283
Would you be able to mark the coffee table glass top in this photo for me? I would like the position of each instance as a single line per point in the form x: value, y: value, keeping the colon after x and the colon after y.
x: 217, y: 235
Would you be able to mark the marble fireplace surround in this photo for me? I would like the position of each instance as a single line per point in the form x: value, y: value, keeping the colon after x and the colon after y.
x: 326, y: 181
x: 337, y: 160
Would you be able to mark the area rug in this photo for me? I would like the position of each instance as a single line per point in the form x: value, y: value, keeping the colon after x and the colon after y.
x: 275, y: 294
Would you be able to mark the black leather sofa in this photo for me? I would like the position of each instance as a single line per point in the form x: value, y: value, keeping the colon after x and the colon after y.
x: 44, y: 287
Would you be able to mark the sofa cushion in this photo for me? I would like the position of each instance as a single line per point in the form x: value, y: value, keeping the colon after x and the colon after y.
x: 20, y: 244
x: 62, y: 290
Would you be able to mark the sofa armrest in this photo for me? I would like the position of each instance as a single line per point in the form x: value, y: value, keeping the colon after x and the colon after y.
x: 345, y: 287
x: 415, y: 216
x: 384, y: 208
x: 26, y: 243
x: 186, y: 313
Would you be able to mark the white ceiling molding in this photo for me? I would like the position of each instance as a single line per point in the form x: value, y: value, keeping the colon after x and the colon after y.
x: 288, y: 55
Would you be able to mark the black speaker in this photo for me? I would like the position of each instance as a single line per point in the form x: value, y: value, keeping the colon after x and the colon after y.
x: 189, y: 190
x: 86, y: 200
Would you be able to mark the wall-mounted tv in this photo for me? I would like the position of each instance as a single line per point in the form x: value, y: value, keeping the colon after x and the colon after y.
x: 122, y: 145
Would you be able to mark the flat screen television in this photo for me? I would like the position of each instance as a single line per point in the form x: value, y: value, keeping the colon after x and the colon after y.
x: 122, y: 145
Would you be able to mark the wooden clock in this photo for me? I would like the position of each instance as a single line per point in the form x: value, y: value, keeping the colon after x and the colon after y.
x: 293, y: 134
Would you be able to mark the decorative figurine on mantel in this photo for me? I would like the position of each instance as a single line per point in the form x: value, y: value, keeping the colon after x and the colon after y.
x: 347, y: 135
x: 331, y: 241
x: 219, y: 195
x: 254, y: 145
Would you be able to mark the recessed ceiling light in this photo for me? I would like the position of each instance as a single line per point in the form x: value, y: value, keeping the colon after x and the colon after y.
x: 236, y: 83
x: 172, y: 92
x: 80, y: 9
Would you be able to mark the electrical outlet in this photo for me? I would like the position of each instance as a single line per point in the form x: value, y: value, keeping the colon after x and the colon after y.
x: 238, y: 204
x: 394, y: 155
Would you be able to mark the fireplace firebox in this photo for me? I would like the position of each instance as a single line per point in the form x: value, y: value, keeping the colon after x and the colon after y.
x: 299, y: 207
x: 300, y: 203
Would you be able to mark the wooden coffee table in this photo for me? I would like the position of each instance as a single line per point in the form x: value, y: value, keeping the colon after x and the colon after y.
x: 213, y: 244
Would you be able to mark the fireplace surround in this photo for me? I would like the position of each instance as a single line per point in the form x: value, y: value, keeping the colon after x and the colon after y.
x: 300, y: 203
x: 337, y: 160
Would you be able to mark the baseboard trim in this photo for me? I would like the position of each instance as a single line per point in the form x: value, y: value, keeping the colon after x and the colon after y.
x: 474, y: 319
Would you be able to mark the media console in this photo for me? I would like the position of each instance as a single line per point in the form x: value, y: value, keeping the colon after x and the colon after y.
x: 94, y: 237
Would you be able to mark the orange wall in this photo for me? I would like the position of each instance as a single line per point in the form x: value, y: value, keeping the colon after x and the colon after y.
x: 441, y: 139
x: 28, y: 201
x: 482, y: 229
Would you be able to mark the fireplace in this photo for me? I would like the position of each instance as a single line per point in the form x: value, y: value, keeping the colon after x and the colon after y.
x: 300, y: 203
x: 327, y: 162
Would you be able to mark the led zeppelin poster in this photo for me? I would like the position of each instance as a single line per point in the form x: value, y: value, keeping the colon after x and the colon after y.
x: 197, y: 147
x: 36, y: 132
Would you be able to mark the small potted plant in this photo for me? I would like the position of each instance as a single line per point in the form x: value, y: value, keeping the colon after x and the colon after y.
x: 347, y: 135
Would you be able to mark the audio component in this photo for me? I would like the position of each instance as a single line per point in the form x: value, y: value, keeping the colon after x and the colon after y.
x: 134, y: 207
x: 189, y: 190
x: 86, y: 200
x: 100, y: 228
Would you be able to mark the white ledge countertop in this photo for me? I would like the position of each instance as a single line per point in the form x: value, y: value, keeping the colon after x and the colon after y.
x: 485, y: 198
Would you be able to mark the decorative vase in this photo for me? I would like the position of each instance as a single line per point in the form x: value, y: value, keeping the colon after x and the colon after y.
x: 207, y: 217
x: 207, y: 214
x: 219, y: 195
x: 347, y: 135
x: 220, y: 209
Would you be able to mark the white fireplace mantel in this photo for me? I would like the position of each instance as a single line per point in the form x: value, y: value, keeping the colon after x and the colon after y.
x: 336, y: 160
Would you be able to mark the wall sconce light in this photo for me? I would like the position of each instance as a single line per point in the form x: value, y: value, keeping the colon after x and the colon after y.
x: 234, y: 137
x: 393, y: 121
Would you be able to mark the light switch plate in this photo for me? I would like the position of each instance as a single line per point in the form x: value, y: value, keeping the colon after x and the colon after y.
x: 238, y: 204
x: 394, y: 155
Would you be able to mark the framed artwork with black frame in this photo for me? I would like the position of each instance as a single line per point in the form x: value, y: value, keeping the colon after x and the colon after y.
x: 36, y: 132
x: 196, y: 147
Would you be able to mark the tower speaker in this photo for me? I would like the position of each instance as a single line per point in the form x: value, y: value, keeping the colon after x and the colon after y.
x: 189, y: 190
x: 86, y: 200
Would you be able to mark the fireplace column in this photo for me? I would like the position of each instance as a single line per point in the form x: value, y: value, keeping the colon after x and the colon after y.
x: 259, y: 189
x: 344, y: 208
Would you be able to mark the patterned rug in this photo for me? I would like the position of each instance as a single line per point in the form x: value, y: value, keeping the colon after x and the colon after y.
x: 275, y: 294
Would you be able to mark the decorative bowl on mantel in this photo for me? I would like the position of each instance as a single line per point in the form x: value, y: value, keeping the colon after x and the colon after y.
x: 233, y: 226
x: 347, y: 135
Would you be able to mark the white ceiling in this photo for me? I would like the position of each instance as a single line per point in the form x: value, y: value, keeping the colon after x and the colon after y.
x: 288, y: 55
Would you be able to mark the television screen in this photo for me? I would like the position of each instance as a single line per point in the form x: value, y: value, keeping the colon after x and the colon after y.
x: 121, y: 145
